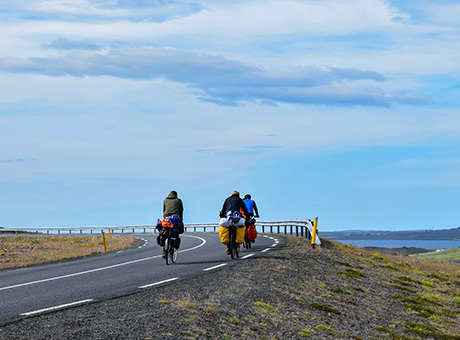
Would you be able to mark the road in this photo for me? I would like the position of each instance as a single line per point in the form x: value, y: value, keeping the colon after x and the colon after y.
x: 41, y: 289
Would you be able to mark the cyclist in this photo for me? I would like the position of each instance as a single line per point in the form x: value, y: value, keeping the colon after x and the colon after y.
x: 251, y: 205
x: 253, y: 212
x: 173, y: 212
x: 232, y: 204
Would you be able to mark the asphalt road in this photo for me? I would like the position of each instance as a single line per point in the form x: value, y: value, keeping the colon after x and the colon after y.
x: 35, y: 290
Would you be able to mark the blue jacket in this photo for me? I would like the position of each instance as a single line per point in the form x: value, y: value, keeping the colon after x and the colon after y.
x: 252, y: 207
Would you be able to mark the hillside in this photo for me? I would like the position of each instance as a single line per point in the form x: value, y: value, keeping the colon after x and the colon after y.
x: 335, y: 292
x: 444, y: 234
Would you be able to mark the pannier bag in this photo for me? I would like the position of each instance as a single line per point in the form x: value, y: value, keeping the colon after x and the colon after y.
x: 161, y: 240
x: 224, y: 234
x: 175, y: 242
x: 252, y: 232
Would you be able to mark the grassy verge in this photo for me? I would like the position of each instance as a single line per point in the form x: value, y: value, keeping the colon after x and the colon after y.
x: 448, y: 255
x: 338, y: 292
x: 32, y: 250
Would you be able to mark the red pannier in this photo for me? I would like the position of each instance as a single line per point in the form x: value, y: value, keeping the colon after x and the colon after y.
x: 252, y: 232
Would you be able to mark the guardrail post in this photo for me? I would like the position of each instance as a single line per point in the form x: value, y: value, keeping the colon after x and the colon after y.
x: 313, y: 236
x: 105, y: 241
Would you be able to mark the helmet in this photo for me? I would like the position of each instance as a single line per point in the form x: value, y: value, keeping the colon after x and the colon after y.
x: 247, y: 196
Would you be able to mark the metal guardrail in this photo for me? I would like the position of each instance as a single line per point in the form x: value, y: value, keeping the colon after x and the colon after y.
x: 303, y: 228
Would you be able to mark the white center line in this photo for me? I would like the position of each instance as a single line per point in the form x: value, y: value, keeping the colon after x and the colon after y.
x: 57, y: 307
x: 159, y: 282
x: 219, y: 265
x: 263, y: 251
x: 249, y: 255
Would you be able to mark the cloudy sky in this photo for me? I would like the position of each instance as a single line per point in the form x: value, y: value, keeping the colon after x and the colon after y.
x: 348, y: 110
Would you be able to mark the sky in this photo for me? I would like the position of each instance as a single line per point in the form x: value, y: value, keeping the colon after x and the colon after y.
x: 345, y: 110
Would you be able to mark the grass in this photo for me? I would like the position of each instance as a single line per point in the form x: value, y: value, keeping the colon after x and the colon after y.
x: 33, y: 250
x: 448, y: 255
x: 324, y: 308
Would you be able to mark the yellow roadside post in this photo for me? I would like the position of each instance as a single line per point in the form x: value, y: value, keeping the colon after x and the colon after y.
x: 110, y: 235
x: 17, y: 236
x: 313, y: 236
x: 105, y: 241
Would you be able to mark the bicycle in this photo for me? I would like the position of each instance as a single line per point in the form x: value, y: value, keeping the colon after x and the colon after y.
x: 247, y: 242
x: 233, y: 246
x: 168, y: 249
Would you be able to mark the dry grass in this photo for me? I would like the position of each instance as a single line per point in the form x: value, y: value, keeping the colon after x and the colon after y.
x: 31, y: 250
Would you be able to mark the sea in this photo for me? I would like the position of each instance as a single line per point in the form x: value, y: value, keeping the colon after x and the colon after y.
x: 425, y: 244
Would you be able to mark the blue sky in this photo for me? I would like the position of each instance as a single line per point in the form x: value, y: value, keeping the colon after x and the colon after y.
x: 345, y: 110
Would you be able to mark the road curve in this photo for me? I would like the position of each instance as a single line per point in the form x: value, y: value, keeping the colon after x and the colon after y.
x: 35, y: 290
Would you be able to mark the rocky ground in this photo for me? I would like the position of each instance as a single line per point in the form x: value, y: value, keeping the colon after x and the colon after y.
x: 335, y: 292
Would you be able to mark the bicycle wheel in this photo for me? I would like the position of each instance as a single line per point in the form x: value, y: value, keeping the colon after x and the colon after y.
x: 166, y: 249
x: 247, y: 242
x: 173, y: 254
x: 232, y: 244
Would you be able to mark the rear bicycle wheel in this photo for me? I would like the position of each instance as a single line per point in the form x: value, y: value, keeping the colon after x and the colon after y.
x: 247, y: 242
x: 173, y: 254
x: 166, y: 249
x: 232, y: 244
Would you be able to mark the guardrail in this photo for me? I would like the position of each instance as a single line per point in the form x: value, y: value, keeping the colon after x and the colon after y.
x: 303, y: 228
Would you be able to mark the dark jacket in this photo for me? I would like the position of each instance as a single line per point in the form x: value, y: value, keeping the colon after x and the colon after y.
x: 234, y: 203
x: 173, y: 205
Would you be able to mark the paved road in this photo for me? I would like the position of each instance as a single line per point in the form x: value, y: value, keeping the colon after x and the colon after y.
x: 35, y: 290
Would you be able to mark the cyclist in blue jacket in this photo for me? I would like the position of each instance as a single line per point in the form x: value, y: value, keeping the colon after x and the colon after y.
x: 251, y: 205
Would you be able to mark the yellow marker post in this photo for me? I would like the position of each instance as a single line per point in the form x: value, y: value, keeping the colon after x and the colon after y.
x: 313, y: 236
x: 110, y: 235
x: 17, y: 236
x: 105, y: 241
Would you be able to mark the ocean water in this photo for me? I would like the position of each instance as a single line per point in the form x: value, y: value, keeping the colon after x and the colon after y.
x: 425, y: 244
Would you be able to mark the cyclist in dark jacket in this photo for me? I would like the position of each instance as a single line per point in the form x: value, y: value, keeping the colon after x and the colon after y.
x: 234, y: 203
x: 174, y: 209
x: 172, y: 205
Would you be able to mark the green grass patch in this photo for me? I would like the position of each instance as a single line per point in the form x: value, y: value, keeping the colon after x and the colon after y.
x: 447, y: 255
x: 265, y: 306
x: 409, y: 279
x: 305, y: 332
x: 353, y: 273
x: 342, y: 291
x: 234, y: 320
x: 324, y: 308
x: 429, y: 331
x: 402, y: 288
x: 325, y: 328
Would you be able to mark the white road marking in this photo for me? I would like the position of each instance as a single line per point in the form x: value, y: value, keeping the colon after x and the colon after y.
x: 57, y: 307
x: 211, y: 268
x: 263, y: 251
x: 102, y: 268
x: 159, y: 282
x: 249, y: 255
